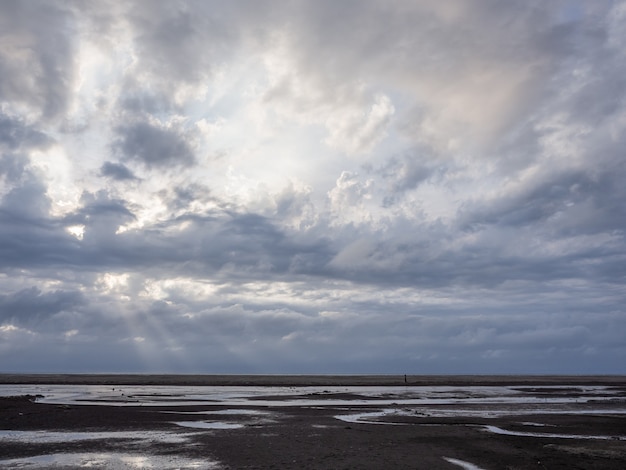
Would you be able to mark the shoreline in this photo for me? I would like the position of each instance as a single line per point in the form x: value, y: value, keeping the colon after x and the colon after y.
x: 269, y: 380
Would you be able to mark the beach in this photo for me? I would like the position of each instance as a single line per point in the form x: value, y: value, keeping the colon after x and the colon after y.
x: 313, y: 422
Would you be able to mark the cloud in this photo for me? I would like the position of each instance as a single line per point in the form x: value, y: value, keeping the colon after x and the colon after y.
x: 37, y: 36
x: 11, y: 167
x: 14, y: 134
x: 27, y: 200
x: 117, y: 171
x: 407, y: 172
x: 312, y: 187
x: 357, y: 134
x: 31, y: 305
x: 154, y: 145
x: 139, y: 103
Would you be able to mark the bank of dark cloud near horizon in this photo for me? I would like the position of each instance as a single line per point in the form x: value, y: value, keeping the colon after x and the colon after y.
x: 313, y: 188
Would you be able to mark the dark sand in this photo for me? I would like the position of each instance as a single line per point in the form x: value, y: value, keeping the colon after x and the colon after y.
x: 301, y: 437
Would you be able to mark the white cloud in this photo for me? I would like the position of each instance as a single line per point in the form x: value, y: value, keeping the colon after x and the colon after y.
x: 356, y: 131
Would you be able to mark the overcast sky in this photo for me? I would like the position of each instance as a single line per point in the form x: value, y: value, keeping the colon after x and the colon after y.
x: 392, y: 186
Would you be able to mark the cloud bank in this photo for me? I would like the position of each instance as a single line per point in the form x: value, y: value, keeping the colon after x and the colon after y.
x: 313, y: 187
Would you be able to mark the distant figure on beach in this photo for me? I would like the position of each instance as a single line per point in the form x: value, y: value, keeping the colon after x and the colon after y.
x: 405, y: 379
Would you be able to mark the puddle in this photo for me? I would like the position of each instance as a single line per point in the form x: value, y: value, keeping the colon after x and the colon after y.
x: 223, y: 412
x: 461, y: 463
x: 497, y: 430
x: 256, y: 418
x: 369, y: 417
x: 433, y: 412
x: 53, y: 437
x: 208, y: 425
x: 109, y: 461
x: 239, y: 412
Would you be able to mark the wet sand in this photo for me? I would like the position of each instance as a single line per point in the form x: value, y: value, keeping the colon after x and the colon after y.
x: 584, y: 433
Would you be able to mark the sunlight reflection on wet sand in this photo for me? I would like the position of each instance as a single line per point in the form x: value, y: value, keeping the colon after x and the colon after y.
x: 51, y: 437
x: 111, y: 461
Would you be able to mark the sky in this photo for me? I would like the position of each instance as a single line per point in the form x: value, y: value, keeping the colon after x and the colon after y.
x: 371, y: 186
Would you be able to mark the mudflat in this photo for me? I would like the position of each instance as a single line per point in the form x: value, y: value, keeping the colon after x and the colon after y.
x: 313, y: 422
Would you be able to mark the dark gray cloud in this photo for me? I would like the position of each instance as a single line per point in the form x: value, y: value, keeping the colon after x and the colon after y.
x: 537, y: 202
x: 142, y: 103
x: 30, y: 305
x: 176, y: 43
x: 569, y: 203
x: 11, y: 166
x: 27, y: 201
x: 117, y: 171
x: 153, y: 145
x: 37, y: 66
x: 182, y: 197
x: 14, y: 133
x: 102, y: 205
x: 29, y: 237
x: 406, y: 172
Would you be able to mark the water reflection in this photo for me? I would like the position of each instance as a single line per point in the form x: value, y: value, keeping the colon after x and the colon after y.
x: 113, y: 461
x: 208, y: 425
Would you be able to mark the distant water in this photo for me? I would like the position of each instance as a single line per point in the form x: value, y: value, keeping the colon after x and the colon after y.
x: 480, y: 398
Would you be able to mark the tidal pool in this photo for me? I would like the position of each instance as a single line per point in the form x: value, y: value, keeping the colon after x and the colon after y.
x: 109, y: 461
x: 53, y: 437
x: 497, y: 430
x: 208, y: 424
x: 463, y: 464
